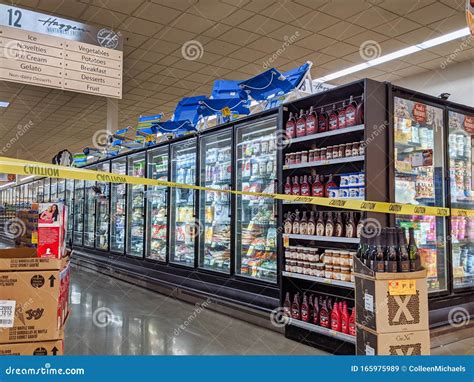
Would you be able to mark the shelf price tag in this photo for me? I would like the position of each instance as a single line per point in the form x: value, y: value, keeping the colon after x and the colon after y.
x: 226, y: 112
x: 401, y: 287
x: 286, y: 241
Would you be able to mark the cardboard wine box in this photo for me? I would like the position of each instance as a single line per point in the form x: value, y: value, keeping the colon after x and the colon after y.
x: 391, y: 302
x: 33, y: 296
x: 399, y: 343
x: 33, y: 348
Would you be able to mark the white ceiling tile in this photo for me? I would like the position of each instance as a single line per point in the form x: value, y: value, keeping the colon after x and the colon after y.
x: 156, y: 13
x: 211, y: 9
x: 431, y: 13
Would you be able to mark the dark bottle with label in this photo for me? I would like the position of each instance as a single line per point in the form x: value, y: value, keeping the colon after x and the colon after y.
x: 305, y: 188
x: 287, y: 305
x: 351, y: 113
x: 391, y: 255
x: 296, y: 223
x: 404, y: 257
x: 290, y: 127
x: 329, y: 227
x: 323, y: 121
x: 362, y: 246
x: 311, y: 122
x: 351, y: 226
x: 288, y: 225
x: 295, y: 188
x: 316, y: 310
x: 304, y: 224
x: 295, y: 307
x: 305, y: 309
x: 324, y: 319
x: 379, y: 259
x: 311, y: 224
x: 288, y: 188
x: 333, y: 118
x: 359, y: 226
x: 360, y: 111
x: 317, y: 188
x: 301, y: 125
x: 330, y: 184
x: 341, y: 121
x: 370, y: 252
x: 320, y: 225
x: 338, y: 225
x: 413, y: 251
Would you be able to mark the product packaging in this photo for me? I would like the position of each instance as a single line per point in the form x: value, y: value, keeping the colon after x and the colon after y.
x: 52, y: 230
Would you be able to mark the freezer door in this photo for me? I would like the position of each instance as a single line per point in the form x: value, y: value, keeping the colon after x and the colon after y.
x: 89, y: 214
x: 70, y: 209
x: 118, y: 199
x: 184, y: 227
x: 78, y: 230
x: 256, y: 157
x: 102, y: 213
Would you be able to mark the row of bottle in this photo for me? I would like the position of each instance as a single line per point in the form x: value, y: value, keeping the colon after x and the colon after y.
x: 387, y: 250
x: 329, y: 223
x: 320, y: 310
x: 311, y: 122
x: 305, y: 186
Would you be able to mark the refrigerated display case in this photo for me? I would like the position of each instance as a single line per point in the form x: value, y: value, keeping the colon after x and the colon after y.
x: 157, y: 204
x: 61, y: 190
x: 215, y: 207
x: 54, y: 190
x: 256, y: 234
x: 78, y: 229
x: 136, y: 207
x: 461, y: 173
x: 47, y: 190
x: 184, y: 227
x: 89, y: 212
x: 118, y: 194
x: 102, y: 213
x: 69, y: 200
x: 419, y: 179
x: 40, y: 193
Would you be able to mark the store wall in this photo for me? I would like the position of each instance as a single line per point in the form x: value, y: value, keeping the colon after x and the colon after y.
x: 457, y: 79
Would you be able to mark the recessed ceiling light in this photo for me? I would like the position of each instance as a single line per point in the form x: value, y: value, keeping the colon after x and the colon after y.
x: 4, y: 104
x: 393, y: 56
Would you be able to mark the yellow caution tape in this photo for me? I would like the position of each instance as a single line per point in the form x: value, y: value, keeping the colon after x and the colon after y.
x: 28, y: 168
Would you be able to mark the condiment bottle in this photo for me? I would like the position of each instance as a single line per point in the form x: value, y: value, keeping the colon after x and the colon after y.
x: 336, y: 318
x: 345, y: 318
x: 360, y: 111
x: 301, y: 124
x: 323, y: 121
x: 330, y: 184
x: 295, y: 189
x: 305, y: 188
x: 333, y: 118
x: 338, y: 226
x: 295, y: 307
x: 305, y: 309
x: 324, y: 319
x: 316, y: 311
x: 352, y: 326
x: 287, y: 305
x: 304, y: 224
x: 320, y: 225
x: 296, y: 223
x: 351, y: 112
x: 311, y: 224
x: 317, y: 187
x: 311, y: 122
x: 288, y: 226
x: 288, y: 188
x: 350, y: 225
x: 290, y: 127
x: 360, y: 224
x: 341, y: 122
x: 329, y: 227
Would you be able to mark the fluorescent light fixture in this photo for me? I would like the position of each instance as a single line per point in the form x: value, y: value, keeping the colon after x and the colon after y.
x: 27, y: 178
x: 399, y: 53
x: 7, y: 185
x: 4, y: 104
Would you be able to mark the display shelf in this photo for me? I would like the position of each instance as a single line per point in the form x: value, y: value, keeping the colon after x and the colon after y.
x: 358, y: 158
x: 320, y: 280
x: 332, y: 133
x: 302, y: 202
x: 321, y: 330
x: 333, y: 239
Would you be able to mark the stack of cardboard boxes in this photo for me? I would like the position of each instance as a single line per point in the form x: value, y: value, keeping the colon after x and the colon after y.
x: 34, y: 290
x: 391, y: 312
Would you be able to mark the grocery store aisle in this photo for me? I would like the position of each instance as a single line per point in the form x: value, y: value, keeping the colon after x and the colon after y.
x: 112, y: 317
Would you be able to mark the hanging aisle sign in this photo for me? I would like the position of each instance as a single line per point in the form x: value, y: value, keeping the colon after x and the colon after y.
x: 53, y: 52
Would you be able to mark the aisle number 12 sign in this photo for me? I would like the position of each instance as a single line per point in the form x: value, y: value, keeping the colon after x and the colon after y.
x: 49, y: 51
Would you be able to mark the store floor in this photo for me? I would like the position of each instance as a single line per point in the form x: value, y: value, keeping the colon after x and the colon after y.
x: 109, y: 316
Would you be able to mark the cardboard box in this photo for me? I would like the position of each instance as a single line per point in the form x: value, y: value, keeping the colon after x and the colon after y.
x: 391, y: 302
x: 33, y: 296
x: 399, y: 343
x: 33, y: 348
x: 52, y: 230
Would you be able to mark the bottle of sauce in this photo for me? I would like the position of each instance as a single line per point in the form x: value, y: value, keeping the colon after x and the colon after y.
x: 287, y: 305
x: 338, y: 226
x: 330, y: 184
x: 329, y: 227
x: 404, y: 257
x: 336, y: 318
x: 352, y: 325
x: 323, y: 121
x: 341, y: 122
x: 311, y: 224
x: 288, y: 226
x: 324, y: 319
x: 311, y: 122
x: 304, y: 224
x: 345, y: 318
x: 317, y: 188
x: 296, y: 223
x: 288, y: 188
x: 333, y: 118
x: 316, y: 311
x: 390, y: 252
x: 305, y: 309
x: 290, y: 127
x: 295, y: 307
x: 305, y: 189
x: 320, y: 225
x: 350, y: 225
x: 351, y: 113
x: 295, y: 189
x: 360, y: 111
x: 360, y: 224
x: 413, y: 251
x: 301, y: 125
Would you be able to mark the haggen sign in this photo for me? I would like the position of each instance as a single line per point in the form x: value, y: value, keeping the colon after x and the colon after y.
x: 50, y: 51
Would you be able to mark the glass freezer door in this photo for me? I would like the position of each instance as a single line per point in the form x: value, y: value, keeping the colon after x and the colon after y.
x: 102, y: 216
x: 136, y: 207
x: 419, y: 180
x: 256, y: 252
x: 54, y: 190
x: 70, y: 209
x: 78, y: 212
x: 118, y: 194
x: 183, y: 224
x: 215, y: 207
x: 157, y: 224
x: 40, y: 196
x: 47, y: 190
x: 461, y: 173
x: 89, y: 213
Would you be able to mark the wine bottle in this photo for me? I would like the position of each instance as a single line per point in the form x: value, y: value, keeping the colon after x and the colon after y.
x: 379, y: 264
x: 404, y: 258
x: 390, y: 252
x: 413, y: 251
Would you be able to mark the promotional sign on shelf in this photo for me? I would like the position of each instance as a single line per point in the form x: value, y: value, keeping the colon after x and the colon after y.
x: 53, y: 52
